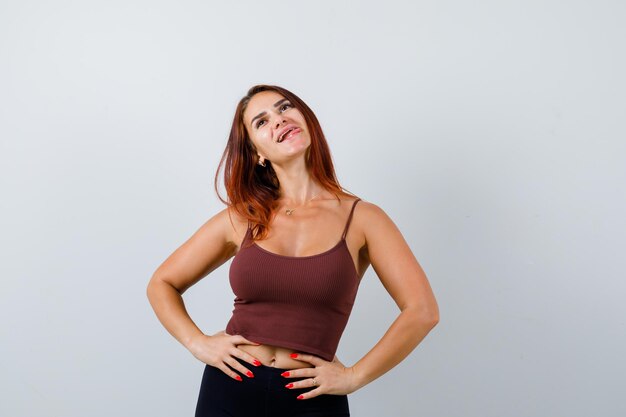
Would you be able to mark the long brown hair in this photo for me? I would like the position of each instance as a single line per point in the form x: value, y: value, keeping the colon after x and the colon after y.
x: 252, y: 190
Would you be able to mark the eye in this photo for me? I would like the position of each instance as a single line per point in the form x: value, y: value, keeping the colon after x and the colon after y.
x: 287, y: 104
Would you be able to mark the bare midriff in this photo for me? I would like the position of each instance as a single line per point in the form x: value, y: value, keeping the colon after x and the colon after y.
x: 275, y: 356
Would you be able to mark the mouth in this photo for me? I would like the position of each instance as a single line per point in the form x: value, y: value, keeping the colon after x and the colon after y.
x: 288, y: 134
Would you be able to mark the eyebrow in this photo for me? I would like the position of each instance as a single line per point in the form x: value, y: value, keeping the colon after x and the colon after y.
x: 263, y: 113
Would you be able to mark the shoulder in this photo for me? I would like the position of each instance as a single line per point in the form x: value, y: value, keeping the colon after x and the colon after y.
x: 229, y: 225
x: 234, y: 224
x: 369, y: 221
x: 372, y: 220
x: 366, y: 210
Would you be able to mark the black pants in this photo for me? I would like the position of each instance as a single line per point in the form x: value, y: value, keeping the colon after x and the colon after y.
x: 264, y: 395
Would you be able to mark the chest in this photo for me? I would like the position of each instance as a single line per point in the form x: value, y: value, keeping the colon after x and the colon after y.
x: 327, y: 278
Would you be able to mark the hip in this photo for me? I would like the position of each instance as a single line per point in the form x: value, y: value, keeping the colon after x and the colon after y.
x: 263, y: 395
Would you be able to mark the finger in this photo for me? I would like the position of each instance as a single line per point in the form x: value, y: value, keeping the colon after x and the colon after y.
x: 315, y: 360
x: 233, y: 363
x: 234, y: 375
x: 245, y: 356
x: 300, y: 373
x: 310, y: 382
x: 251, y: 359
x: 310, y: 394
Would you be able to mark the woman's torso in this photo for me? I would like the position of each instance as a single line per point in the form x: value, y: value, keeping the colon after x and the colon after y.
x: 288, y: 237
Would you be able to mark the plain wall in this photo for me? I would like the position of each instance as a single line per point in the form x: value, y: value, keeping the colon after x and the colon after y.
x: 491, y: 132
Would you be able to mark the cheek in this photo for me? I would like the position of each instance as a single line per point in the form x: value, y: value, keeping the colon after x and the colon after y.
x: 266, y: 138
x: 262, y: 141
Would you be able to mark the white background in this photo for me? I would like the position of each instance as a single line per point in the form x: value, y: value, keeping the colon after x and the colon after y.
x: 492, y: 133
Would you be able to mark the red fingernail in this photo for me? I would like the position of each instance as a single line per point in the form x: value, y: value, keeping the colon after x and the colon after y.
x: 294, y: 355
x: 285, y: 374
x: 288, y: 385
x: 257, y: 363
x: 250, y: 374
x: 300, y: 397
x: 238, y: 378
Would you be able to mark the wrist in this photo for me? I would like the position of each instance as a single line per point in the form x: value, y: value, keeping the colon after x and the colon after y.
x: 357, y: 381
x: 191, y: 341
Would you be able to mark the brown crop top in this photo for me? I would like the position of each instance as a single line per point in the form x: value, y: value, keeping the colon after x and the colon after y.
x: 298, y: 302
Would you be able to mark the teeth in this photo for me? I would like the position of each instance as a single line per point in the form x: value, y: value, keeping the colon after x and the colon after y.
x: 282, y: 137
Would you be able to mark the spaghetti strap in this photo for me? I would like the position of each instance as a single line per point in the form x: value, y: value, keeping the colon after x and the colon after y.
x: 345, y: 230
x: 247, y: 236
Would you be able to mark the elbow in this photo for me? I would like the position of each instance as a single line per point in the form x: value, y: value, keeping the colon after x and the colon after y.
x: 433, y: 319
x: 159, y: 284
x: 431, y: 313
x: 428, y: 318
x: 152, y: 289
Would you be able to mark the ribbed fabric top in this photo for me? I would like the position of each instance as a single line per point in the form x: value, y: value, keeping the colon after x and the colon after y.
x: 298, y: 302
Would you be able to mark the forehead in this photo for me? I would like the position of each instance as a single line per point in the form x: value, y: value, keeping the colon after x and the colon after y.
x: 261, y: 102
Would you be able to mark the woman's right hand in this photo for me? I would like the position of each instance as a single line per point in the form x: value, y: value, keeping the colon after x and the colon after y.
x: 221, y: 350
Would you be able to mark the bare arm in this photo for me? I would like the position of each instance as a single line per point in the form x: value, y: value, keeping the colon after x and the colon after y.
x: 406, y: 282
x: 206, y: 250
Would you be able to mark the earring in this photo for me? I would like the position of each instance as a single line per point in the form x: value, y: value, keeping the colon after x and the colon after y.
x: 261, y: 161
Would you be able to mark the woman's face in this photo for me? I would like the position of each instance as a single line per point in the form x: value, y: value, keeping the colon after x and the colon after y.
x: 269, y: 114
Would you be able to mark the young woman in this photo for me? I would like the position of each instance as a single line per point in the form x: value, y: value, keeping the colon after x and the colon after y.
x: 295, y: 272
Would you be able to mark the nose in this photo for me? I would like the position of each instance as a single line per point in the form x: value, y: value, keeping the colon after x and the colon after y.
x: 279, y: 121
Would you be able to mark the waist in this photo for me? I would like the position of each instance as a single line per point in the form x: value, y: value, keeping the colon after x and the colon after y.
x: 275, y: 356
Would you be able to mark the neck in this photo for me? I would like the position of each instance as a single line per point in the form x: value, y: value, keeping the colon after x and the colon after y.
x: 296, y: 195
x: 297, y: 186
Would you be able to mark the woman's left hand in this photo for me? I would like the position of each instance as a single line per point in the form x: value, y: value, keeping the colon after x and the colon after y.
x: 325, y: 377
